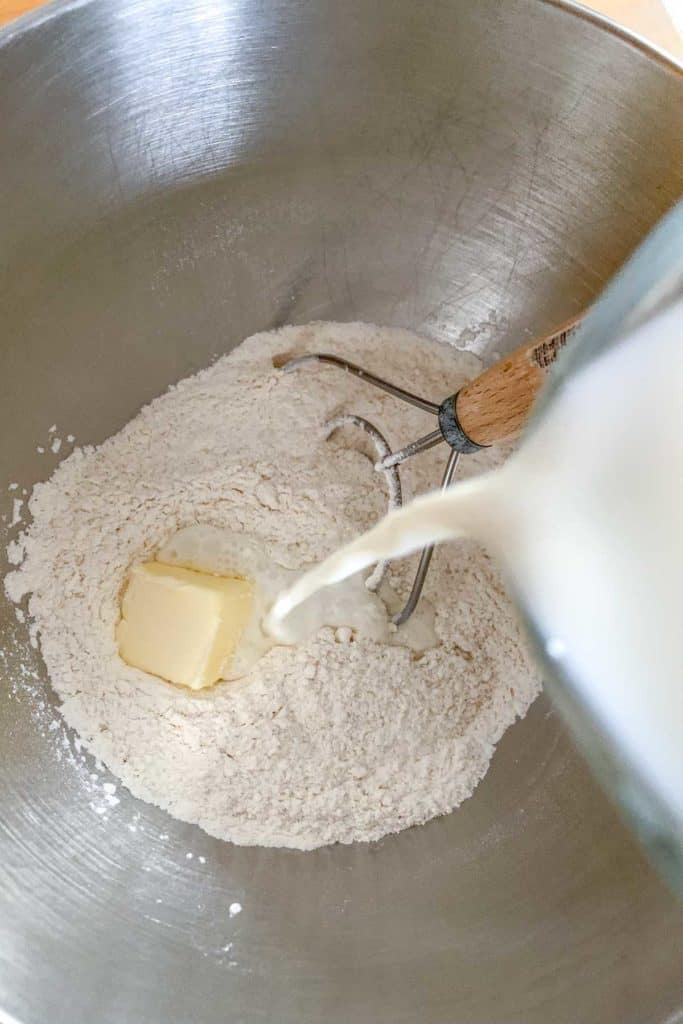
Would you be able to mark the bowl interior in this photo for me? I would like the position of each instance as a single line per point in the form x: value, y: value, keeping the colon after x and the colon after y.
x: 177, y: 175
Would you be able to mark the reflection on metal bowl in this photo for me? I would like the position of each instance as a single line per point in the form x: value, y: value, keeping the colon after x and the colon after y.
x: 175, y: 176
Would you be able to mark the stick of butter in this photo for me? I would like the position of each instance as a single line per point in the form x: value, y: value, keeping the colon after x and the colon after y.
x: 181, y: 624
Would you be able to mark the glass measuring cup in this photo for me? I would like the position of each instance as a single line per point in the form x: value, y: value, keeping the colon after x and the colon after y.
x: 649, y: 285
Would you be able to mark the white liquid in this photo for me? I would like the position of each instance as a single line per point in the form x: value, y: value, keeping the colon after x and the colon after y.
x: 587, y: 518
x: 350, y: 605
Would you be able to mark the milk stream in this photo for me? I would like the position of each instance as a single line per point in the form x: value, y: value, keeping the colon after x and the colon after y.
x: 587, y: 520
x: 350, y: 606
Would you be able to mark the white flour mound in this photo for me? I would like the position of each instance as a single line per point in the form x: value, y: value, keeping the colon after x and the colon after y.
x: 338, y: 740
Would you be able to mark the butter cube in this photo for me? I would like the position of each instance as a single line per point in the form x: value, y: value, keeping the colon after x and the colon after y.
x: 180, y: 624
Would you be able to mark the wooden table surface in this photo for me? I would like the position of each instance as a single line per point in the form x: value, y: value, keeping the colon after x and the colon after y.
x: 646, y: 17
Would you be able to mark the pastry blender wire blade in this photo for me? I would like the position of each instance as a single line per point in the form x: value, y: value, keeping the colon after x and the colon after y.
x: 487, y: 410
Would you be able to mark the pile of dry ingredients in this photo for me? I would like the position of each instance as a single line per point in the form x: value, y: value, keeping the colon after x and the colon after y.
x: 340, y: 739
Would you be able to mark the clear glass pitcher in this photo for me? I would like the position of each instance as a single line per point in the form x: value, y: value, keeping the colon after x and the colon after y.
x: 650, y: 283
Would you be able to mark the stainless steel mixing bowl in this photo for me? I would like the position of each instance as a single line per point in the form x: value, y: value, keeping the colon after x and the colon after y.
x: 174, y: 176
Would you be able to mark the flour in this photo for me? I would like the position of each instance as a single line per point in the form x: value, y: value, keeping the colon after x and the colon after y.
x: 342, y: 738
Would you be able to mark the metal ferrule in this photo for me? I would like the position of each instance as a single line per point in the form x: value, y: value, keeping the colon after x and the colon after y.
x: 452, y: 432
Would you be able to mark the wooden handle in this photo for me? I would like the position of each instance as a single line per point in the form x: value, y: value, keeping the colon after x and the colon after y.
x: 495, y: 406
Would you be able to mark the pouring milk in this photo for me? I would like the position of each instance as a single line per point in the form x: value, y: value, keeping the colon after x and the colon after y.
x: 587, y: 520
